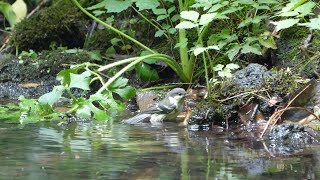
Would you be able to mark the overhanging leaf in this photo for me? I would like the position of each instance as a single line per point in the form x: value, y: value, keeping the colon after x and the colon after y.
x: 284, y: 24
x: 52, y: 97
x: 81, y: 81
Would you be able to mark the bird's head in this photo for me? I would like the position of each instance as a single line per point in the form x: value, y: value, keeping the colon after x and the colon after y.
x: 178, y: 94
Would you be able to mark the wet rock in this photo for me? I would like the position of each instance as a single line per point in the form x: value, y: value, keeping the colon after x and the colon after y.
x: 288, y: 139
x: 41, y: 71
x: 12, y: 90
x: 252, y: 76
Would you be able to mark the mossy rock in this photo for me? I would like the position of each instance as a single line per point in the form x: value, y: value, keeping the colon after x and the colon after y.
x: 100, y: 40
x: 291, y: 54
x: 62, y: 23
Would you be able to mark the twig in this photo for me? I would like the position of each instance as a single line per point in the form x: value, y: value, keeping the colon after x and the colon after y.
x: 42, y: 2
x: 277, y: 115
x: 242, y: 94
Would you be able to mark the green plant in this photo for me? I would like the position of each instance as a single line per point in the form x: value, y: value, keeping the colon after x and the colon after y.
x: 73, y: 93
x: 6, y: 10
x: 223, y: 72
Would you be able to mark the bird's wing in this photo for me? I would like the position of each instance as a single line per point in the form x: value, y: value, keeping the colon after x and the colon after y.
x: 139, y: 118
x: 160, y: 108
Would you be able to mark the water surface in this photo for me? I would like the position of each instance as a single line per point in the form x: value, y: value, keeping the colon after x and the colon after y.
x: 106, y: 150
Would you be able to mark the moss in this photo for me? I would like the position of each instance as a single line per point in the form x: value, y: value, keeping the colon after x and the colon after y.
x: 100, y: 40
x: 61, y: 23
x: 288, y: 45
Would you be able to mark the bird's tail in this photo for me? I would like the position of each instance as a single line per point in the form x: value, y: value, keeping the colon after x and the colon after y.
x: 140, y: 118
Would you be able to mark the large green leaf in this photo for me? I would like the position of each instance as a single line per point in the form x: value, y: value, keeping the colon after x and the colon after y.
x: 284, y: 24
x: 52, y: 97
x: 81, y: 81
x: 64, y: 75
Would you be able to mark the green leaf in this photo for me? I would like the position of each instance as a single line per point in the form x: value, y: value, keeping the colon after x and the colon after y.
x: 284, y: 24
x: 268, y: 42
x: 125, y: 93
x: 161, y: 17
x: 98, y: 6
x: 233, y: 51
x: 171, y: 9
x: 95, y: 55
x: 147, y: 4
x: 116, y: 6
x: 207, y: 18
x: 64, y: 75
x: 292, y: 5
x: 305, y: 9
x: 232, y: 66
x: 52, y: 97
x: 182, y: 44
x: 28, y: 104
x: 216, y: 7
x: 114, y: 41
x: 313, y: 24
x: 225, y: 73
x: 186, y: 25
x: 6, y: 10
x: 159, y: 33
x: 218, y: 67
x: 190, y: 15
x: 159, y: 11
x: 148, y: 60
x: 199, y: 50
x: 145, y: 73
x: 81, y: 81
x: 251, y: 49
x: 118, y: 83
x: 111, y: 50
x: 84, y: 111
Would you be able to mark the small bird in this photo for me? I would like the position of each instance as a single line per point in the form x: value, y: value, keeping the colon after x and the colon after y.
x: 168, y: 108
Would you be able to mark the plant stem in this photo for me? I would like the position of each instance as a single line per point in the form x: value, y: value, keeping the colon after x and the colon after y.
x: 133, y: 61
x: 187, y: 65
x: 112, y: 28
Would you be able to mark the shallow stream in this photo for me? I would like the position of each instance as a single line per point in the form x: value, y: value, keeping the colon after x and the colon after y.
x: 111, y: 150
